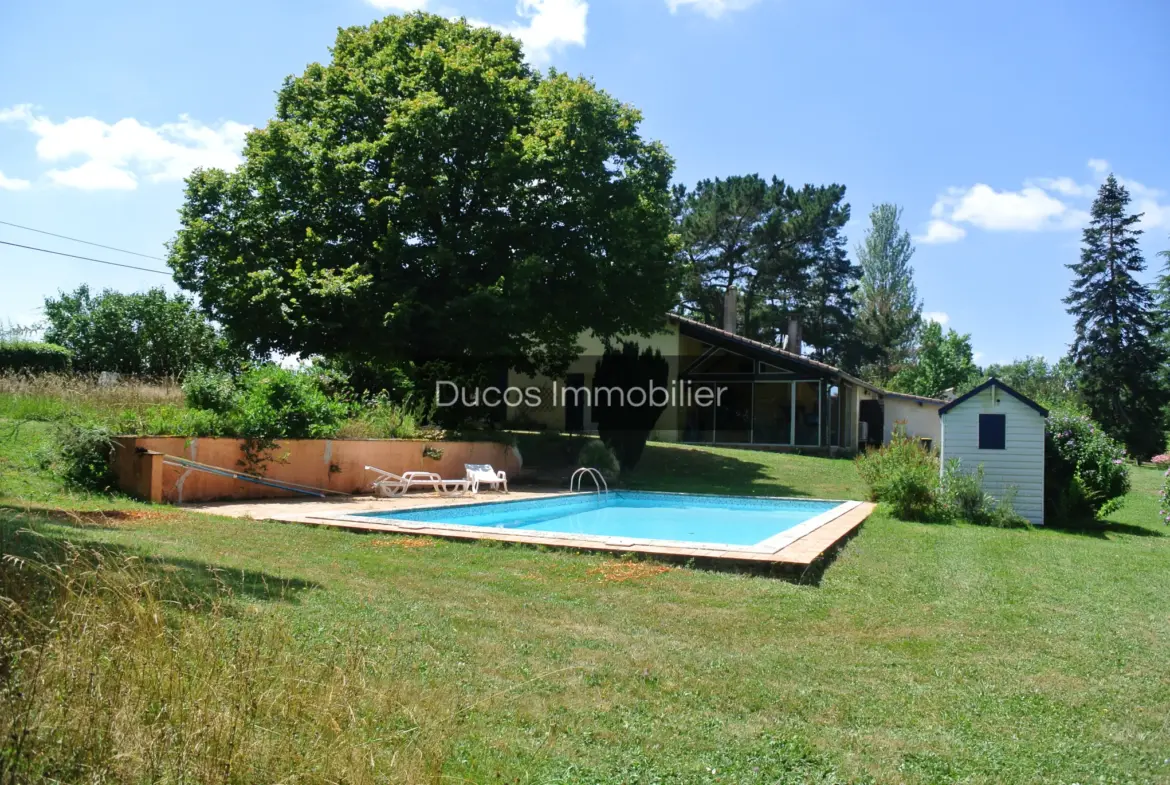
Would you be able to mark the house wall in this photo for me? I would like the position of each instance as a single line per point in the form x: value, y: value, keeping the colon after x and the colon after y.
x: 551, y: 414
x: 921, y: 418
x: 1020, y: 465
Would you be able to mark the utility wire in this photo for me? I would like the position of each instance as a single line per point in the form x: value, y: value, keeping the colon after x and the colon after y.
x: 86, y: 258
x: 86, y: 242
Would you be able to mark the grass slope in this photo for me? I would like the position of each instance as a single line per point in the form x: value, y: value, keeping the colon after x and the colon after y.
x: 928, y: 654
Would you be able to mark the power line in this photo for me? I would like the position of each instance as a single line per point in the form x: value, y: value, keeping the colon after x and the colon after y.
x: 85, y: 258
x: 86, y: 242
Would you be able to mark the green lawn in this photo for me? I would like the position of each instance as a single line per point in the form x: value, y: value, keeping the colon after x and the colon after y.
x: 926, y: 653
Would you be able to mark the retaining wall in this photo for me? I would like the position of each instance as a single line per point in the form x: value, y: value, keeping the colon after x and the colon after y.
x: 335, y: 464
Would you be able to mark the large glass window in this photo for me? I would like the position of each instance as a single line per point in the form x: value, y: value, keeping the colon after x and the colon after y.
x: 772, y: 417
x: 807, y: 413
x: 700, y: 420
x: 733, y: 413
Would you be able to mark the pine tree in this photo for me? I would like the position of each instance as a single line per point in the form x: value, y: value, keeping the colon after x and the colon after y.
x: 1114, y: 350
x: 890, y: 313
x: 829, y: 307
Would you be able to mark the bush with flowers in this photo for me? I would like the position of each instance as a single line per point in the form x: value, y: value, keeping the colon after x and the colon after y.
x: 1085, y: 475
x: 1161, y: 461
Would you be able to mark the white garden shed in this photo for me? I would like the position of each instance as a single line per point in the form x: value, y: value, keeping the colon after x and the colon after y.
x: 1002, y: 430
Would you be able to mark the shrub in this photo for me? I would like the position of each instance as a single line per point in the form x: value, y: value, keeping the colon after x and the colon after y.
x: 1161, y: 460
x: 273, y: 402
x: 903, y: 475
x: 379, y: 417
x: 595, y: 454
x: 83, y: 455
x: 34, y: 357
x: 1164, y: 499
x: 621, y: 425
x: 1085, y: 474
x: 213, y: 390
x: 962, y: 497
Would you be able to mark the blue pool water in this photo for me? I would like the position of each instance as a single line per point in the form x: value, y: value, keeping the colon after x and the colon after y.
x: 731, y: 520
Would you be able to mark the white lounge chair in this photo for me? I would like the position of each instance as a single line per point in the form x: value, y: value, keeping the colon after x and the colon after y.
x: 391, y: 484
x: 483, y: 474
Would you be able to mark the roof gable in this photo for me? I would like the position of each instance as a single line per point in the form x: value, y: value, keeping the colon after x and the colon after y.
x: 993, y: 382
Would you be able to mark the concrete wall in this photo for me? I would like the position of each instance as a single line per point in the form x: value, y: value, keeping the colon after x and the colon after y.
x: 335, y: 464
x: 921, y: 419
x: 1019, y: 465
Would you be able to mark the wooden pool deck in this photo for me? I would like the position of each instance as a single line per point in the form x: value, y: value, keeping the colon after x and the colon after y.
x: 801, y: 551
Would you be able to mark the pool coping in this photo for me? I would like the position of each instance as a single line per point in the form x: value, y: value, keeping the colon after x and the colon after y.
x: 800, y: 545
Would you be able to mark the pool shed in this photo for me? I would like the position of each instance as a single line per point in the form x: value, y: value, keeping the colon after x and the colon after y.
x: 1002, y: 430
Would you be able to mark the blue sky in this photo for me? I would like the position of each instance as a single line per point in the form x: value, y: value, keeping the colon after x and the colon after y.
x: 990, y: 123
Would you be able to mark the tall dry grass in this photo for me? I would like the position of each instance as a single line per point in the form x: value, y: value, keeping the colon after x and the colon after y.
x: 109, y: 673
x: 52, y: 395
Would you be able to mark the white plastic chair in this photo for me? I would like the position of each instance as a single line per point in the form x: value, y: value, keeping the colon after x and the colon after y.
x: 391, y: 484
x: 483, y: 474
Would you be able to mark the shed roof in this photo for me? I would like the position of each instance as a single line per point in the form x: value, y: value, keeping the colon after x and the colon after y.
x: 996, y: 383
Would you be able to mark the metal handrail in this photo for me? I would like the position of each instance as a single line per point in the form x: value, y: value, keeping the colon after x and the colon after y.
x: 588, y: 471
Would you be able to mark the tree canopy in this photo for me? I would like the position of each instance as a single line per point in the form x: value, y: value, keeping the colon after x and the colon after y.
x: 939, y: 363
x: 1117, y: 360
x: 782, y: 247
x: 146, y: 334
x: 427, y: 197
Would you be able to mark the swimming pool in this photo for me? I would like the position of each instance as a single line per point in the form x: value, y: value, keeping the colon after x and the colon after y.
x: 633, y: 518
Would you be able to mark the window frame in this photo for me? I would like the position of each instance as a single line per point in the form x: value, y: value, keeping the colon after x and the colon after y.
x: 1002, y: 419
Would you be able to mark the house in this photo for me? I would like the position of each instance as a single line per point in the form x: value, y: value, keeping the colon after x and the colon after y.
x: 726, y: 389
x: 881, y: 413
x: 995, y: 427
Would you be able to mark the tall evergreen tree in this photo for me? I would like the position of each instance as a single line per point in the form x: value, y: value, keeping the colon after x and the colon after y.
x: 1114, y: 351
x: 829, y: 307
x: 890, y: 312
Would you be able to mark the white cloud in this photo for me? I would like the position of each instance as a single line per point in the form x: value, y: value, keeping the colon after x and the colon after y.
x: 117, y: 155
x: 941, y: 317
x: 1043, y: 203
x: 12, y: 183
x: 547, y: 27
x: 1065, y: 186
x: 1028, y: 209
x: 711, y: 8
x: 95, y: 176
x: 939, y: 231
x: 399, y: 5
x: 1099, y: 165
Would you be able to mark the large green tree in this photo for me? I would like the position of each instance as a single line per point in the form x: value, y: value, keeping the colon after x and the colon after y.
x: 427, y: 197
x: 1052, y: 384
x: 1117, y: 360
x: 889, y: 311
x: 940, y: 362
x: 143, y: 333
x: 781, y: 247
x: 828, y: 306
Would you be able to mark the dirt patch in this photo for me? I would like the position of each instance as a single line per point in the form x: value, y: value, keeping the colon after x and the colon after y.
x: 405, y: 543
x: 623, y: 571
x: 106, y: 517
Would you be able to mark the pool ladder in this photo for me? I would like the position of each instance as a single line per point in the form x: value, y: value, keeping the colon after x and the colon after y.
x: 588, y: 471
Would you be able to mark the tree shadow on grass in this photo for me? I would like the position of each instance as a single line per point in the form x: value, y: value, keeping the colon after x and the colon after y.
x: 686, y: 470
x: 191, y: 583
x: 1102, y: 529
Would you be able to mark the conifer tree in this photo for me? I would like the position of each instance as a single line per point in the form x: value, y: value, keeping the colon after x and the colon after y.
x: 890, y: 313
x: 1114, y: 349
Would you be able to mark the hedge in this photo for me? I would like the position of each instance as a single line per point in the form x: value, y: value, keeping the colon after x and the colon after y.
x: 33, y: 356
